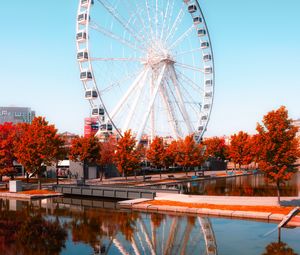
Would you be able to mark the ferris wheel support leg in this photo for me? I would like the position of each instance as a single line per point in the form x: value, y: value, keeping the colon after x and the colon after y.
x: 180, y: 100
x: 151, y: 102
x: 129, y: 91
x: 140, y: 86
x: 152, y: 116
x: 171, y: 114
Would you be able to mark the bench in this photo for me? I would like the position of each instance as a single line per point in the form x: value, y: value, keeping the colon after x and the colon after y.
x: 170, y: 176
x: 80, y: 182
x: 147, y: 178
x: 200, y: 174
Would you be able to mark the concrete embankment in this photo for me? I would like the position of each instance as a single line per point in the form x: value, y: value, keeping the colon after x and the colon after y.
x: 146, y: 206
x: 22, y: 196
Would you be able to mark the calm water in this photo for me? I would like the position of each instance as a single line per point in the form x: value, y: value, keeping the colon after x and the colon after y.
x: 250, y: 185
x: 75, y: 226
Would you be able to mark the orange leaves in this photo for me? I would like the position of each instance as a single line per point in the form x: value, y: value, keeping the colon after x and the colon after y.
x: 7, y: 157
x: 85, y: 149
x: 240, y: 149
x: 126, y: 157
x: 156, y: 152
x: 189, y: 152
x: 37, y: 144
x: 107, y: 151
x: 279, y: 148
x: 215, y: 147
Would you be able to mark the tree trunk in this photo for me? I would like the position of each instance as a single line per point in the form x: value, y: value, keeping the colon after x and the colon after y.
x: 0, y: 178
x: 56, y: 176
x: 160, y: 173
x: 102, y: 173
x: 27, y: 177
x: 278, y: 191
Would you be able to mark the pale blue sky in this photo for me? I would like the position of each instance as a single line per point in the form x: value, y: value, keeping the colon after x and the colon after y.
x: 257, y: 57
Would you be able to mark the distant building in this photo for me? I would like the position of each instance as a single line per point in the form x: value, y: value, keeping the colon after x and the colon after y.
x: 91, y: 126
x: 68, y: 137
x: 16, y: 115
x: 297, y: 124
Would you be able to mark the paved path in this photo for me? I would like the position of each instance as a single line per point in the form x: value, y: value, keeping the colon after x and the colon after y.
x: 229, y: 200
x: 154, y: 177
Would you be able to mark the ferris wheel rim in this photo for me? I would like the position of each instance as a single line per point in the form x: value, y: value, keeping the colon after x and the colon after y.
x: 94, y: 81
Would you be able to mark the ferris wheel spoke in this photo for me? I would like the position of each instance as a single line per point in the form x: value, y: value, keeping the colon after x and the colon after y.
x: 156, y: 18
x: 176, y: 23
x: 113, y: 84
x: 133, y: 108
x: 187, y: 52
x: 170, y: 16
x: 118, y: 59
x: 120, y: 19
x: 151, y: 102
x: 130, y: 8
x: 190, y: 82
x: 185, y: 115
x: 127, y: 94
x: 194, y: 68
x: 187, y: 97
x: 170, y: 112
x: 182, y: 37
x: 149, y: 18
x: 110, y: 34
x: 164, y: 20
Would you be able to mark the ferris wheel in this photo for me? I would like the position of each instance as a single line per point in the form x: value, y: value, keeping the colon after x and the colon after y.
x: 146, y: 65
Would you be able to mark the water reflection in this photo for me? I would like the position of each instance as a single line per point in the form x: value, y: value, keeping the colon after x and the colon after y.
x: 250, y: 185
x: 41, y: 228
x: 27, y: 232
x: 81, y: 226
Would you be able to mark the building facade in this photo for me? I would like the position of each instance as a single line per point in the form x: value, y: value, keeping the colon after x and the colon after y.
x: 16, y: 115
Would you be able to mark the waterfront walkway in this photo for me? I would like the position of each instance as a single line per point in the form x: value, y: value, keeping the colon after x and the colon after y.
x: 229, y: 200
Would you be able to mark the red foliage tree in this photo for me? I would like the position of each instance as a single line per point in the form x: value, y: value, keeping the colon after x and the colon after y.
x: 189, y: 153
x: 86, y: 149
x: 38, y: 145
x: 7, y: 156
x: 156, y: 153
x: 127, y: 158
x: 107, y: 153
x: 240, y: 149
x: 215, y: 147
x: 171, y: 153
x: 279, y: 148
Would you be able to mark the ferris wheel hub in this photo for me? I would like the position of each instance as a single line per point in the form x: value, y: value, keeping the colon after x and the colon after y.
x: 158, y: 54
